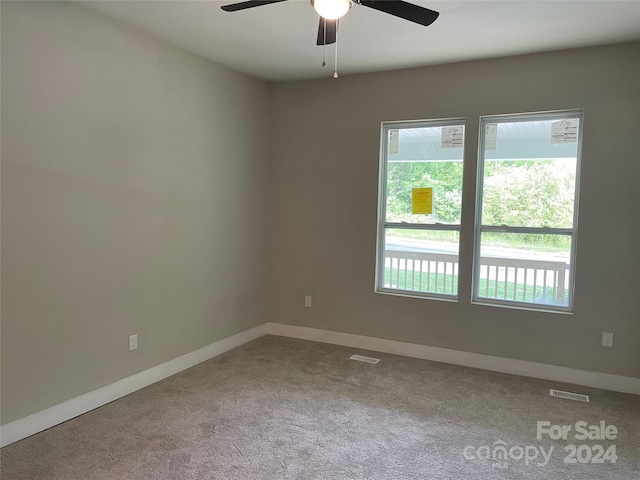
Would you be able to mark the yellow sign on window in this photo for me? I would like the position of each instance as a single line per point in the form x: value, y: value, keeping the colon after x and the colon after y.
x: 422, y: 201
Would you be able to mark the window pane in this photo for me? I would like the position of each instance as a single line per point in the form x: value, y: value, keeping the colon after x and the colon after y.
x: 421, y: 261
x: 427, y: 157
x: 529, y: 268
x: 530, y: 174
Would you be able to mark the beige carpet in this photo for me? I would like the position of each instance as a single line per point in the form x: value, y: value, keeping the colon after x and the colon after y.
x: 280, y: 408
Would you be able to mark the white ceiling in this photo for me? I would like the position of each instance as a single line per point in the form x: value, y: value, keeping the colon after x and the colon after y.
x: 277, y: 42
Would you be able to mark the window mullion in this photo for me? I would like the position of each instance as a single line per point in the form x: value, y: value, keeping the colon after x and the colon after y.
x: 537, y: 230
x: 422, y: 226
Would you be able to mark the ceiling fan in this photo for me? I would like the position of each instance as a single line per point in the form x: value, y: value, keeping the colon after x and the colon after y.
x: 331, y: 11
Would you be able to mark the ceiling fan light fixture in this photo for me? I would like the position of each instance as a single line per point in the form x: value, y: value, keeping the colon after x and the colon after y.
x: 331, y: 9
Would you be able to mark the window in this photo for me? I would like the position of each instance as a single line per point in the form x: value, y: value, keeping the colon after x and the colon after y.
x: 420, y: 208
x: 526, y: 210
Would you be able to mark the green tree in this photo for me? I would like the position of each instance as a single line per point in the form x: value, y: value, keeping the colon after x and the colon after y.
x: 532, y: 193
x: 444, y: 177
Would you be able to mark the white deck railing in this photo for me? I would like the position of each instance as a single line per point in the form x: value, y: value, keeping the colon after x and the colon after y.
x: 404, y: 266
x: 515, y: 279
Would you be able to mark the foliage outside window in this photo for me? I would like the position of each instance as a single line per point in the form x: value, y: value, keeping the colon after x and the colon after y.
x: 418, y: 250
x: 526, y: 209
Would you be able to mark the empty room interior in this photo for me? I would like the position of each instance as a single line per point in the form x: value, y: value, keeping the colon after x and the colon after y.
x: 386, y: 240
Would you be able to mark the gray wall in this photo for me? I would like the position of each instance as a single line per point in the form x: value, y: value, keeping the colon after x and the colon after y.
x: 136, y: 190
x: 325, y: 164
x: 133, y: 183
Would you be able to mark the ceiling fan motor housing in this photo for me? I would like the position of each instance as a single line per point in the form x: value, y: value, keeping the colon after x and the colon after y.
x: 331, y: 9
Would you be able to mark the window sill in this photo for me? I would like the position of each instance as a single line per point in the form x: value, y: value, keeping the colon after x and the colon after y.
x: 411, y: 294
x: 523, y: 306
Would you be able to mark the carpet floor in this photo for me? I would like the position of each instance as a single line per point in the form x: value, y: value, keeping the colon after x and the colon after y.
x: 280, y: 408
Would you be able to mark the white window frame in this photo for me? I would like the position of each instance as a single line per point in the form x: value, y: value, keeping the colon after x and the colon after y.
x: 479, y: 228
x: 383, y: 225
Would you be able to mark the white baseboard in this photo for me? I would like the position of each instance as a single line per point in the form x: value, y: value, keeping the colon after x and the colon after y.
x: 27, y: 426
x: 616, y: 383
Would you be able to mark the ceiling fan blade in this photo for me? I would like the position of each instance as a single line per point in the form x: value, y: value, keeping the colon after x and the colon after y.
x: 405, y: 10
x: 331, y: 29
x: 234, y: 7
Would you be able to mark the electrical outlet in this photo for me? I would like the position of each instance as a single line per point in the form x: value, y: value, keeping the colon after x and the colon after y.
x: 307, y: 301
x: 133, y: 342
x: 607, y: 339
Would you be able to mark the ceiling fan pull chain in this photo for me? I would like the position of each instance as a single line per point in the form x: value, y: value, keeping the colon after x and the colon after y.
x: 324, y: 41
x: 335, y: 72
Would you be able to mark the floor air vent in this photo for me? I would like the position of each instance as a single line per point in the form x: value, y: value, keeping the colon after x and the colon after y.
x: 361, y: 358
x: 569, y: 396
